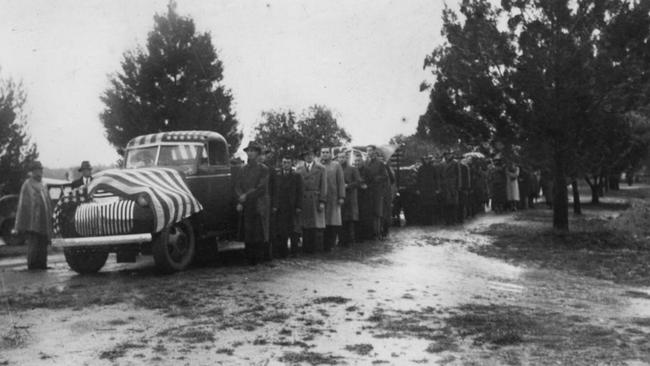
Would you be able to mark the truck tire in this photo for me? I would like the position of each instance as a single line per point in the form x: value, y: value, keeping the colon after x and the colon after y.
x: 85, y: 262
x: 174, y: 247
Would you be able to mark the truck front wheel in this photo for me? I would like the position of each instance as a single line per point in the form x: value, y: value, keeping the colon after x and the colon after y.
x: 174, y: 247
x: 85, y: 262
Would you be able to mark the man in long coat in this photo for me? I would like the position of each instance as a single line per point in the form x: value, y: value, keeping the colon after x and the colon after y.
x: 314, y: 196
x: 251, y: 189
x: 266, y: 159
x: 34, y: 217
x: 376, y: 177
x: 335, y: 198
x: 427, y: 189
x: 287, y: 207
x: 350, y: 209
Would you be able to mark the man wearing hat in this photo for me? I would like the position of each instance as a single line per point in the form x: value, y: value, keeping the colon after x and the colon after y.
x: 251, y: 188
x: 86, y: 175
x: 314, y: 197
x: 34, y: 217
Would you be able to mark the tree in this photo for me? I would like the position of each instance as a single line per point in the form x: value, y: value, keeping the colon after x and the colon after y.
x: 289, y: 135
x: 537, y: 79
x: 175, y: 84
x: 16, y: 150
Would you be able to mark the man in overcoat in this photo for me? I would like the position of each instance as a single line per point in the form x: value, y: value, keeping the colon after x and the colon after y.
x: 287, y: 207
x: 266, y: 159
x: 251, y: 189
x: 86, y: 171
x: 427, y: 189
x: 376, y: 177
x: 335, y: 198
x: 34, y: 217
x: 350, y: 209
x: 314, y: 196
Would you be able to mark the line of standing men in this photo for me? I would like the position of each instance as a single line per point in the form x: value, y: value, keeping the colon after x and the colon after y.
x: 317, y: 200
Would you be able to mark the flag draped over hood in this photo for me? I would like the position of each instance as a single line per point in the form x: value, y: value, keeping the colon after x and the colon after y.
x: 163, y: 188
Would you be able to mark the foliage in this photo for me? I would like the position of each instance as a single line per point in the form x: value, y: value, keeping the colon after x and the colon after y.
x: 548, y: 81
x: 288, y: 135
x: 16, y: 150
x: 175, y: 84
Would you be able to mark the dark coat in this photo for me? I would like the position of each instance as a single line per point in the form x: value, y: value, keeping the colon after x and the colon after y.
x: 376, y: 176
x: 79, y: 182
x: 253, y: 182
x: 34, y: 213
x: 451, y: 182
x: 353, y: 182
x: 287, y: 199
x: 314, y: 192
x: 428, y: 183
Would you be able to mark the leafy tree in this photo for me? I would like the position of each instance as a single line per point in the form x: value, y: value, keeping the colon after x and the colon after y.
x: 16, y: 150
x: 414, y: 148
x: 174, y: 84
x: 289, y: 135
x: 543, y: 80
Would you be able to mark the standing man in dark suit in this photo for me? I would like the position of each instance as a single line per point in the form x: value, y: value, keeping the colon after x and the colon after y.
x: 86, y: 175
x: 251, y: 189
x: 287, y: 206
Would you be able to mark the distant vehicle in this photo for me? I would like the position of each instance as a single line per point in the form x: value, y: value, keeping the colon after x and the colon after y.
x: 174, y: 194
x: 9, y: 205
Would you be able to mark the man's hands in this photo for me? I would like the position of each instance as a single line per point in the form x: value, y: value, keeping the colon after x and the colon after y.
x: 242, y: 198
x: 240, y: 207
x: 341, y: 200
x: 321, y: 207
x: 298, y: 210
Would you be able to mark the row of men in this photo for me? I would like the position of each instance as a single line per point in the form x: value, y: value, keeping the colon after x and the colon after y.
x: 323, y: 202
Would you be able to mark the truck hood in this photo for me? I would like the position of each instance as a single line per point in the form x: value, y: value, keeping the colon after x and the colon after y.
x: 163, y: 188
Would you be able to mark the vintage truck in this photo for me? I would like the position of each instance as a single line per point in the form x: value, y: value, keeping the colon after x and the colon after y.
x: 172, y: 198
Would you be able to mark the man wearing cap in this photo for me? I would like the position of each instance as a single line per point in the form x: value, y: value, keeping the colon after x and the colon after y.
x: 251, y: 188
x: 335, y: 198
x: 86, y: 175
x: 314, y: 197
x: 34, y: 217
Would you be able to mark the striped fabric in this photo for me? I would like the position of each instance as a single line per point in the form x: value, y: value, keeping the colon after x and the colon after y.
x: 96, y: 219
x: 191, y: 136
x: 164, y: 189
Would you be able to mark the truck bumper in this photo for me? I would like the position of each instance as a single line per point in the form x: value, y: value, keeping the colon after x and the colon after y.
x: 92, y: 241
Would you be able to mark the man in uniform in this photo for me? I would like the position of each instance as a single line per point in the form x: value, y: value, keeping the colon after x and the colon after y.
x: 86, y: 175
x: 314, y: 196
x: 287, y: 208
x: 34, y: 217
x: 251, y: 189
x: 335, y: 198
x: 376, y: 176
x: 350, y: 209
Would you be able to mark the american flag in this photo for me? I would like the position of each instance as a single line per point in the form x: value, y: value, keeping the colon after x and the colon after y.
x: 164, y: 189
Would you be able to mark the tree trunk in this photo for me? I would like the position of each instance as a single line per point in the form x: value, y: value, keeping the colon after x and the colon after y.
x: 577, y: 209
x: 595, y: 197
x: 560, y: 199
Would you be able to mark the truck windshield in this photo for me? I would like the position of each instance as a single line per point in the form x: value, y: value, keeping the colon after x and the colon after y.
x: 184, y: 155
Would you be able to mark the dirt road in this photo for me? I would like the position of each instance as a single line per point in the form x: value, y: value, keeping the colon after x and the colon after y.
x: 421, y: 297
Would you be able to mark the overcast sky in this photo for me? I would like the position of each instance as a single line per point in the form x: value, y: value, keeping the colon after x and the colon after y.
x: 363, y: 59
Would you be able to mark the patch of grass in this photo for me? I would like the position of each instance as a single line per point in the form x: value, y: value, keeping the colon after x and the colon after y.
x: 637, y: 295
x: 331, y: 300
x: 197, y: 335
x: 498, y: 325
x: 362, y: 349
x: 226, y: 351
x: 442, y: 344
x: 644, y: 322
x: 119, y: 351
x: 310, y: 358
x: 276, y: 317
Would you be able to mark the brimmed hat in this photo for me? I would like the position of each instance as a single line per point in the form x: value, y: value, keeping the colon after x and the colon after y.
x: 35, y: 165
x: 85, y: 165
x: 253, y: 146
x: 308, y: 151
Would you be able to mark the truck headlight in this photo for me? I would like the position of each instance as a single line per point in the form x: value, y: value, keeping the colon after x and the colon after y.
x: 142, y: 200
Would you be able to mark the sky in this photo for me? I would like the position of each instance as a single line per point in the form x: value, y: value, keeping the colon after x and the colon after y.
x: 361, y: 58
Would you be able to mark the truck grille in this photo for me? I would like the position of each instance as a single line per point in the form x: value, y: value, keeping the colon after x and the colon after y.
x: 97, y: 219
